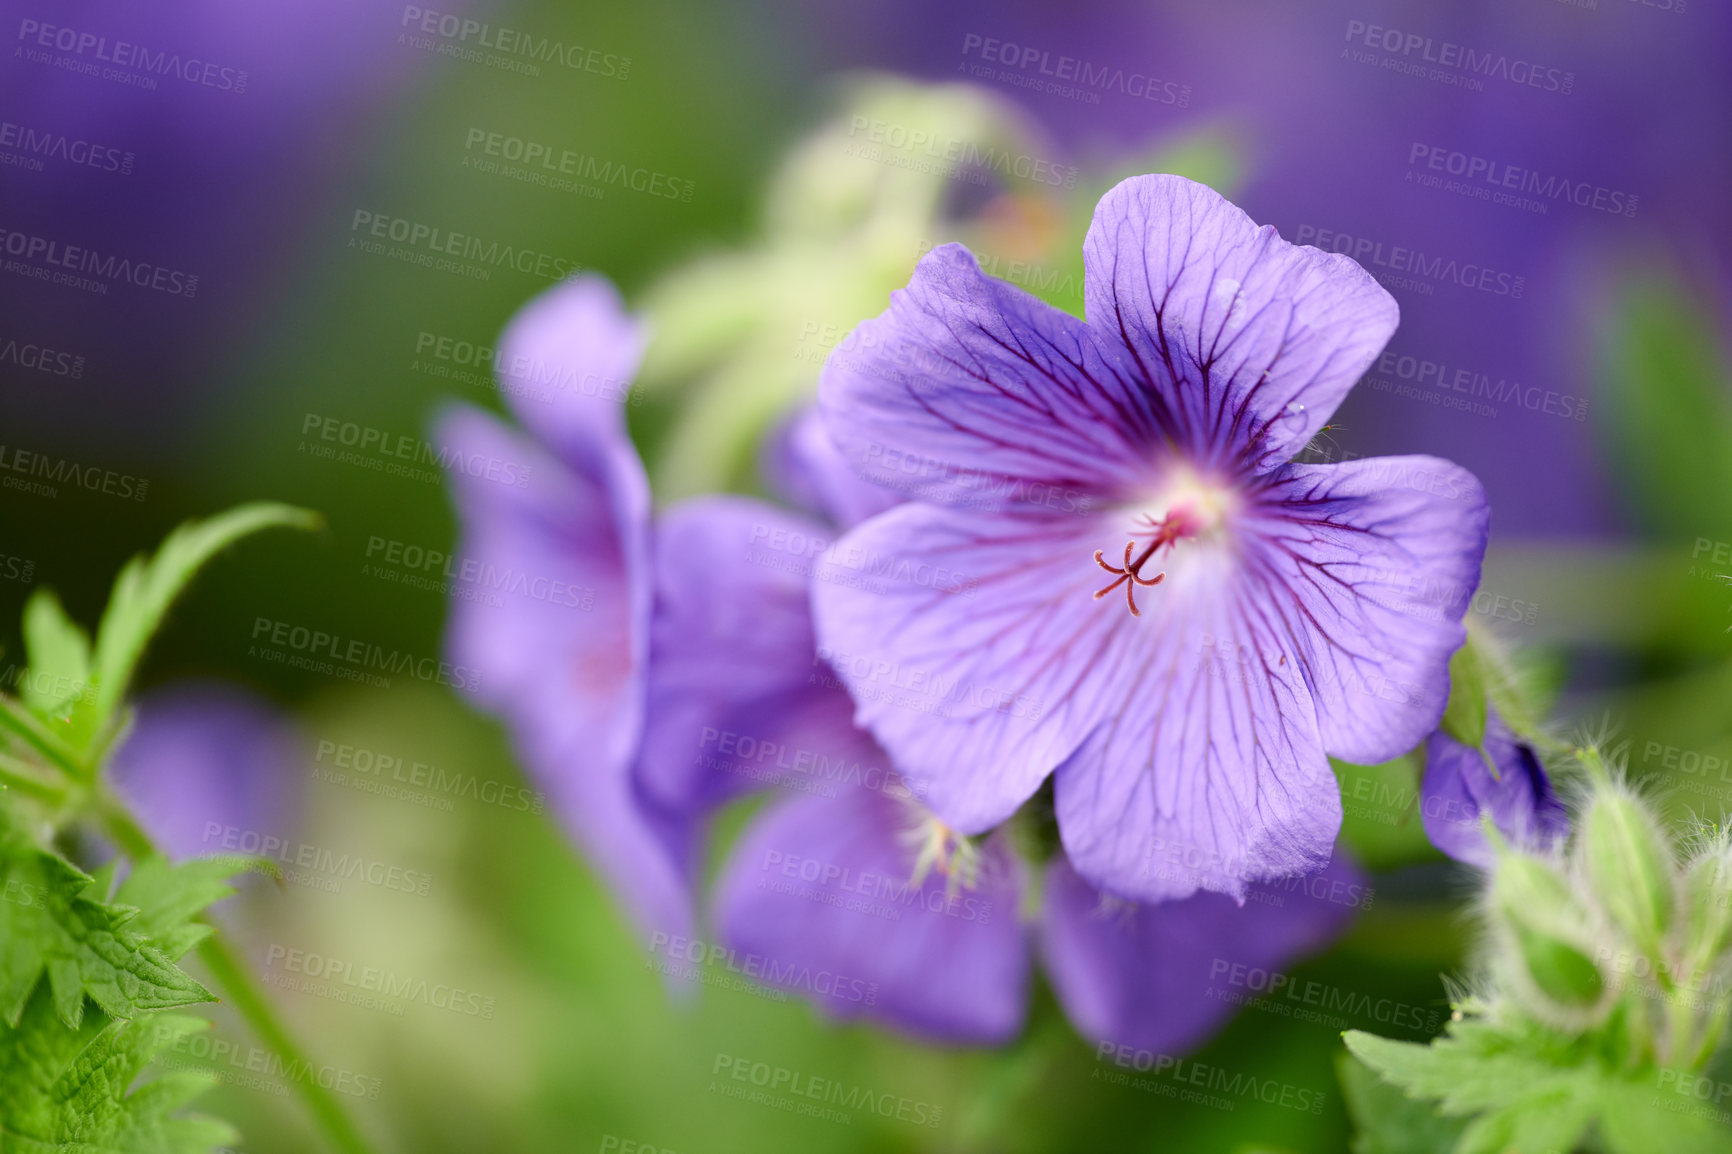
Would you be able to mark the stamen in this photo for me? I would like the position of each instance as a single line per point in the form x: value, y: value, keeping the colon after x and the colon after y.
x: 1167, y: 531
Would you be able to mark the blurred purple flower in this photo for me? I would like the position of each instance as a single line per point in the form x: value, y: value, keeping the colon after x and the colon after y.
x: 200, y: 138
x: 1186, y: 728
x: 563, y: 655
x: 210, y: 768
x: 1504, y: 779
x: 854, y: 895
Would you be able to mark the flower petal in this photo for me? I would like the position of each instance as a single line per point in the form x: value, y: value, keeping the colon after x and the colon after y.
x: 204, y: 753
x: 566, y: 363
x: 1371, y: 565
x: 1458, y: 789
x: 1186, y: 746
x: 1248, y: 343
x: 1157, y: 977
x: 560, y: 648
x: 737, y: 696
x: 817, y: 899
x: 970, y: 392
x: 804, y: 465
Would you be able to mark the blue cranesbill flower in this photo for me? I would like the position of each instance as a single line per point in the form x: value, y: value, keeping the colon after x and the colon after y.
x: 1503, y: 779
x: 852, y: 893
x: 558, y: 522
x: 1165, y: 614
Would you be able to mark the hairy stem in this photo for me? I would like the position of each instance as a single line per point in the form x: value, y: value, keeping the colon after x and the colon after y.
x: 243, y: 991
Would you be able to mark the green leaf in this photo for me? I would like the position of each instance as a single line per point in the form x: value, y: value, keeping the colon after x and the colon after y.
x: 168, y: 898
x: 66, y: 1090
x: 58, y: 652
x: 1667, y: 411
x: 1464, y: 716
x: 1386, y: 1121
x: 52, y: 921
x: 146, y: 588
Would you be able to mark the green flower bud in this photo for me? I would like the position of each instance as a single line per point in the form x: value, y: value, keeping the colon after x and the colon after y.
x: 1628, y: 860
x: 1707, y: 909
x: 1544, y: 929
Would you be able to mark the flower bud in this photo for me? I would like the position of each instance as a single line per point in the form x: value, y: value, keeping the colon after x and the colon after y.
x: 1543, y: 926
x: 1628, y: 860
x: 1707, y: 909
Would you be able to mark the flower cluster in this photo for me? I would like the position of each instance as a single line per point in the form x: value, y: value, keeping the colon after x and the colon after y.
x: 1048, y: 651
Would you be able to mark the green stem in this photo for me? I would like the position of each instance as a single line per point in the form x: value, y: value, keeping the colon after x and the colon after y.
x: 244, y: 991
x: 18, y: 774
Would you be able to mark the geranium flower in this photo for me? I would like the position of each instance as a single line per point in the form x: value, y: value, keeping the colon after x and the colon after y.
x: 1504, y: 778
x: 557, y: 526
x: 855, y: 895
x: 1170, y: 618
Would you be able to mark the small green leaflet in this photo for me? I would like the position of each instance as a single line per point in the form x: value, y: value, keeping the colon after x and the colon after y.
x: 1464, y: 715
x: 1521, y: 1092
x: 59, y: 653
x: 65, y: 1091
x: 51, y: 923
x: 1387, y: 1121
x: 146, y: 588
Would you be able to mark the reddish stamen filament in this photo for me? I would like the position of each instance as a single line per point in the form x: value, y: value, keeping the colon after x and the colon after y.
x: 1130, y: 575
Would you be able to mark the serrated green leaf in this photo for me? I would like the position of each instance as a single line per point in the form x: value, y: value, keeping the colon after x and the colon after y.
x: 1387, y: 1121
x: 58, y: 652
x: 71, y: 1090
x: 146, y: 588
x: 51, y: 922
x: 168, y: 898
x: 1464, y: 715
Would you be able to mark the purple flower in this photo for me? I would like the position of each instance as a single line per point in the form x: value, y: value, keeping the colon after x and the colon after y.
x: 210, y: 768
x: 853, y: 894
x: 1152, y: 603
x: 1503, y: 778
x: 561, y: 522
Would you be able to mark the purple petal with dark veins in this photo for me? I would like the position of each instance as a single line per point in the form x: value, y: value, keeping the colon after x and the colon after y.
x: 1162, y: 977
x: 970, y: 392
x: 1249, y: 343
x: 1459, y: 789
x: 817, y: 899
